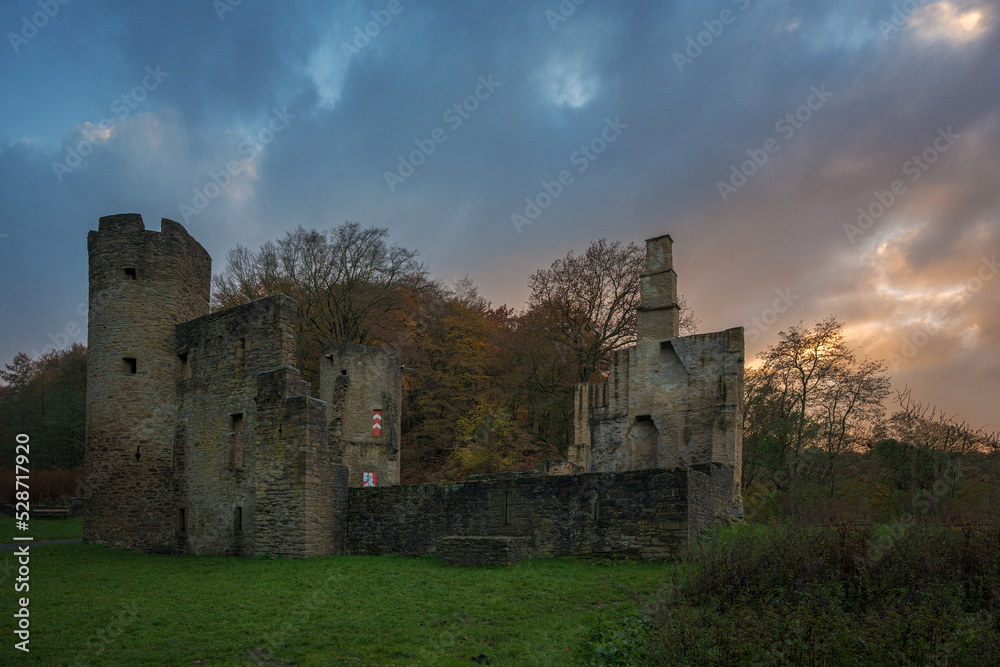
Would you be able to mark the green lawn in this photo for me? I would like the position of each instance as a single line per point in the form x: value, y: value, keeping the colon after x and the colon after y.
x: 95, y: 605
x: 42, y: 529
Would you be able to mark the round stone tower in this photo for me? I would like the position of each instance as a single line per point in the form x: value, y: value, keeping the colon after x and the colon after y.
x: 142, y: 284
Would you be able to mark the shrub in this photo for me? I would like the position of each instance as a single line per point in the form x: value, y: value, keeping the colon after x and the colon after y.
x: 796, y: 595
x: 616, y: 641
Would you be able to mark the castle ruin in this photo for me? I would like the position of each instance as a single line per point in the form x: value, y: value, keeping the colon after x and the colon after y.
x: 203, y: 439
x: 668, y: 401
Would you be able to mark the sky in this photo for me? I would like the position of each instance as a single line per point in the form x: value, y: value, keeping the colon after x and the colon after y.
x: 808, y: 159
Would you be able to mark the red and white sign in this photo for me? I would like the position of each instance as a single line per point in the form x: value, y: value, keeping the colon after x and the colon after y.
x: 369, y: 479
x: 376, y: 422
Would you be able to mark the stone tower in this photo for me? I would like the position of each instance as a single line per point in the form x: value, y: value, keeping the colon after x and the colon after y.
x: 362, y: 386
x: 142, y: 284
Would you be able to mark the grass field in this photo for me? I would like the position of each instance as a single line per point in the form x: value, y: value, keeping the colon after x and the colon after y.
x: 778, y: 594
x: 100, y: 606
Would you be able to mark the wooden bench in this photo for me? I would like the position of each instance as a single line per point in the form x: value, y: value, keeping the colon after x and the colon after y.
x: 49, y: 512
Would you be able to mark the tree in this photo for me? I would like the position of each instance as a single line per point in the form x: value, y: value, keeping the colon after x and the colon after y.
x: 851, y: 408
x: 351, y: 286
x: 452, y: 356
x: 488, y: 441
x: 769, y: 426
x: 809, y: 391
x: 588, y: 302
x: 923, y: 435
x: 687, y: 323
x: 46, y: 398
x: 537, y: 380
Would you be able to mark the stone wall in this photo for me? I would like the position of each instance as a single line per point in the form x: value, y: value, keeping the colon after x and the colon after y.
x: 641, y: 513
x: 219, y: 357
x: 710, y: 492
x: 476, y: 551
x: 300, y: 494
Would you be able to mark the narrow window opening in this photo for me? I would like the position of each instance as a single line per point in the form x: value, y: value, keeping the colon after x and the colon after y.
x: 236, y: 453
x: 129, y: 365
x: 138, y: 455
x: 129, y: 274
x: 505, y: 509
x: 180, y: 441
x: 184, y: 366
x: 343, y: 371
x: 181, y: 522
x: 241, y: 349
x: 238, y: 519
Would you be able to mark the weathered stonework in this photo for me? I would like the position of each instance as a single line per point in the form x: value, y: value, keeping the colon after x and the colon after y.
x: 477, y: 551
x: 142, y: 284
x: 643, y: 514
x: 669, y: 401
x: 203, y: 439
x: 355, y: 381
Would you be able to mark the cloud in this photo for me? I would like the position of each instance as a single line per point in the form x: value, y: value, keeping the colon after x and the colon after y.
x: 946, y: 22
x: 355, y: 115
x: 567, y: 81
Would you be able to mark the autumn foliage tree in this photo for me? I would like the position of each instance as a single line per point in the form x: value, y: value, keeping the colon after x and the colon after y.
x: 350, y: 284
x: 452, y: 354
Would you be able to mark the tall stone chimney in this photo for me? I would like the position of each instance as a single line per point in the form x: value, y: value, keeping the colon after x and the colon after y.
x: 657, y: 318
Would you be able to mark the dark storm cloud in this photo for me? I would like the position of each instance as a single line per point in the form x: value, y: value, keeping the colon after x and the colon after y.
x: 882, y: 81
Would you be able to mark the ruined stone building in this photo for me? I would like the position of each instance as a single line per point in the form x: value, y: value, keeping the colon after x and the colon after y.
x: 203, y: 439
x: 201, y: 436
x: 669, y: 401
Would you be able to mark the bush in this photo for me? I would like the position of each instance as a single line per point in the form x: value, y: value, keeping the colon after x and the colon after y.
x: 617, y: 641
x: 795, y: 595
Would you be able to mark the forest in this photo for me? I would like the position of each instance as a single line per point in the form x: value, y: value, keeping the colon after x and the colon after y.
x: 489, y: 388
